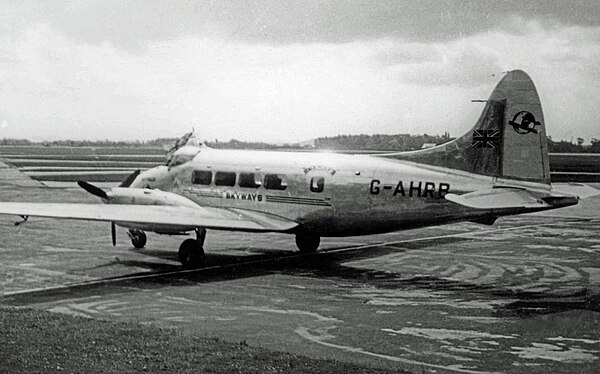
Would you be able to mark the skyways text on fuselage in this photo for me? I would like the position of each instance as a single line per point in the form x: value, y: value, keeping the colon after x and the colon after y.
x: 411, y: 189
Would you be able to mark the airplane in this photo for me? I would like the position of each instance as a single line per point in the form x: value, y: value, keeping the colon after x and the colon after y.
x: 499, y: 168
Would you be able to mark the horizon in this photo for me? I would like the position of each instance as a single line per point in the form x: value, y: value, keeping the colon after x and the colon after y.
x: 573, y: 139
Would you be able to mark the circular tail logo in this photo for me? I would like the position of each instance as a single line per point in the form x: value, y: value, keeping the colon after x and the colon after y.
x: 524, y: 122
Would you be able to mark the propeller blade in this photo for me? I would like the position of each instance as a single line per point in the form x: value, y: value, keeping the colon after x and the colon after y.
x: 129, y: 180
x: 96, y: 191
x: 113, y: 233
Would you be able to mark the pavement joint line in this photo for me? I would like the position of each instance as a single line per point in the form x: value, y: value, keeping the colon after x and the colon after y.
x: 296, y: 255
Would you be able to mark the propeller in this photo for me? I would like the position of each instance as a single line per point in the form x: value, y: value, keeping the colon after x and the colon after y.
x: 129, y: 180
x: 113, y: 233
x: 96, y: 191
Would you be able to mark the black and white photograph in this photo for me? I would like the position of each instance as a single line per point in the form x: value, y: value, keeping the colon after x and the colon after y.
x: 275, y: 186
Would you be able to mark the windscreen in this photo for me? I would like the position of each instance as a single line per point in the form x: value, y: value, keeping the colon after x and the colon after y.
x: 183, y: 155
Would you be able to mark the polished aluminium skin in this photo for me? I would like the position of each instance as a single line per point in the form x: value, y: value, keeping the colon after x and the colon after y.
x: 498, y: 168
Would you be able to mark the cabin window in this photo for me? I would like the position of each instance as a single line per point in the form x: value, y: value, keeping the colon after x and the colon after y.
x: 275, y: 182
x: 201, y: 177
x: 317, y: 184
x: 225, y: 178
x: 249, y: 180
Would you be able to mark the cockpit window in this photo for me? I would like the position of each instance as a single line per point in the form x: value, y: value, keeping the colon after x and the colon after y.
x: 203, y: 177
x: 183, y: 155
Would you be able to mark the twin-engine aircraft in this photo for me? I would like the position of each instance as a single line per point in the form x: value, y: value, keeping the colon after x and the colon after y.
x: 500, y: 167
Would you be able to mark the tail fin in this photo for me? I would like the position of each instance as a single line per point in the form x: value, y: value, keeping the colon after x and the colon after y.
x: 508, y: 140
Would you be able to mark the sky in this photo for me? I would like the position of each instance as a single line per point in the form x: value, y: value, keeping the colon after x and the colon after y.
x: 287, y: 71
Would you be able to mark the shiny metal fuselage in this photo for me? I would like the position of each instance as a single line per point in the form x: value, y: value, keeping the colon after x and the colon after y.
x: 362, y: 194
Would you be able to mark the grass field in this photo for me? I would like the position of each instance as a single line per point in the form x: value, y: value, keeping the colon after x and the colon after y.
x: 113, y: 164
x: 35, y: 341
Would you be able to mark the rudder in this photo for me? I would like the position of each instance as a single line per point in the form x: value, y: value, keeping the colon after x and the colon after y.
x: 525, y: 147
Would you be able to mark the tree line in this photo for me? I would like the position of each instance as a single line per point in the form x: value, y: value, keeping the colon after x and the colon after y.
x: 362, y: 142
x: 564, y: 146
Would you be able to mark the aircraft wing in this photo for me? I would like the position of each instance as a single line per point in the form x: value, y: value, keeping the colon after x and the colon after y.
x: 162, y: 217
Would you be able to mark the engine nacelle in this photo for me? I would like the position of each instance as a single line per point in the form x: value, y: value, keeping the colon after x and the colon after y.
x: 145, y: 196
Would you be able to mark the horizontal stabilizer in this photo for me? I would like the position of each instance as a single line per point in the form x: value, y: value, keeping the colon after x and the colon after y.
x: 583, y: 191
x: 499, y: 198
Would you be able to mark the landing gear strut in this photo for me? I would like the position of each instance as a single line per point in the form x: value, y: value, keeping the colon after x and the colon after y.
x: 191, y: 251
x: 138, y: 238
x: 307, y: 242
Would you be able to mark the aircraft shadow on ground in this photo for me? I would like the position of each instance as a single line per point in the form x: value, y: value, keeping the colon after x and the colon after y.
x: 327, y: 264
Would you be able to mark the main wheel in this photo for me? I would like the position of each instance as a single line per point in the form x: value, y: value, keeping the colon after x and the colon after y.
x: 138, y: 238
x: 307, y: 243
x: 191, y: 254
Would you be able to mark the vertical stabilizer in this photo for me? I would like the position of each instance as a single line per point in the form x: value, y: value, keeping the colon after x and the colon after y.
x: 525, y: 148
x: 508, y: 141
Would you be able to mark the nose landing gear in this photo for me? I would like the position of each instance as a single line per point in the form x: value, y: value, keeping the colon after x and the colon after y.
x: 138, y: 238
x: 191, y: 251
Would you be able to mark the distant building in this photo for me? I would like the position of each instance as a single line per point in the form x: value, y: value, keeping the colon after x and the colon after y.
x: 428, y: 145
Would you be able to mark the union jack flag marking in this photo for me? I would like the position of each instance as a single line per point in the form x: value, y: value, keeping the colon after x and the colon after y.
x: 486, y: 139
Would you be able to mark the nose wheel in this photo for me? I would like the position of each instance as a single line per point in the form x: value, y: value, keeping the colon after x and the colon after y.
x: 191, y: 251
x: 138, y: 238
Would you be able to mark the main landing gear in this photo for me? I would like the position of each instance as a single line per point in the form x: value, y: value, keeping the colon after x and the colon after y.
x: 307, y: 242
x: 138, y: 238
x: 191, y: 251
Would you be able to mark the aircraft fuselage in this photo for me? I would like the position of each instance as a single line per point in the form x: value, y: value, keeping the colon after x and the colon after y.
x: 327, y: 193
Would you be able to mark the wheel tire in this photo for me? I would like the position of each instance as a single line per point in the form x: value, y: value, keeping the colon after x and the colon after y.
x: 307, y: 243
x: 191, y: 254
x: 138, y: 238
